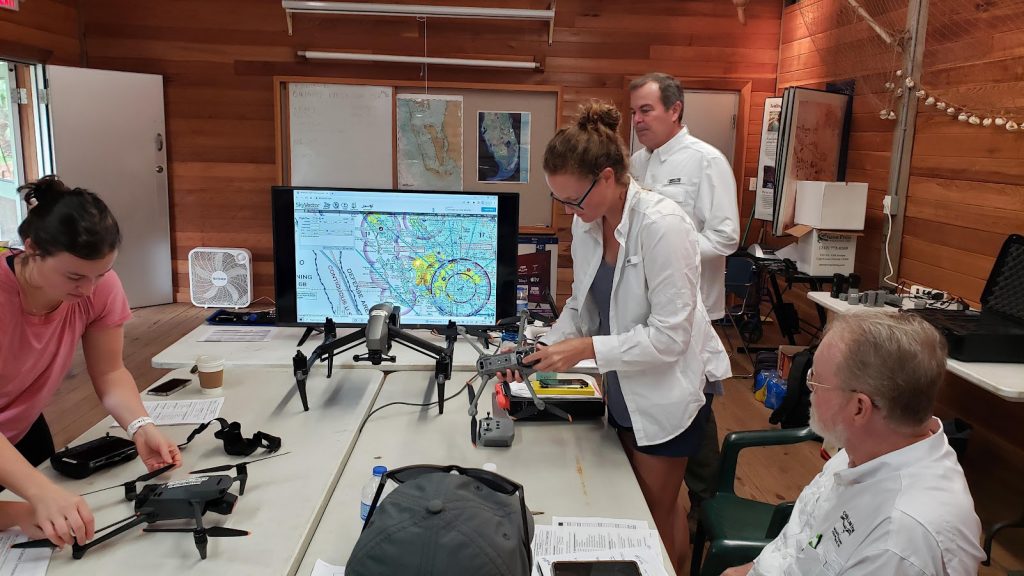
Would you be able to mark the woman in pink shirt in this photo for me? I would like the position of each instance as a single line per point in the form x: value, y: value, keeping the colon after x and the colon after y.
x: 61, y: 290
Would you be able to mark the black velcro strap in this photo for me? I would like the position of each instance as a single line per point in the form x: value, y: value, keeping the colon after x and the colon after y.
x: 235, y: 444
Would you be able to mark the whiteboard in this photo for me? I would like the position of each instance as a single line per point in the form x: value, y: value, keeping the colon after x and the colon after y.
x: 340, y: 135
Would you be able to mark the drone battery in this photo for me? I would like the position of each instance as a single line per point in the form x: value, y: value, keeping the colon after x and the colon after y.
x: 81, y: 461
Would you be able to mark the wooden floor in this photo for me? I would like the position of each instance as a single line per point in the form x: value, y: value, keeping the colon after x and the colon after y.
x: 768, y: 474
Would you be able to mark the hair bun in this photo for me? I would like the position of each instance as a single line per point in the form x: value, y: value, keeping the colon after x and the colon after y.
x: 44, y: 192
x: 595, y: 113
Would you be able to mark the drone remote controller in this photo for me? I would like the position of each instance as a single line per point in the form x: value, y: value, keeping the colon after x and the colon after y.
x: 490, y: 365
x: 496, y: 432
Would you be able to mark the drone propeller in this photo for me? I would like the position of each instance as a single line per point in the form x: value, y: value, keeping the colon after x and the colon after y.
x: 212, y: 531
x: 226, y: 467
x: 532, y: 410
x: 129, y: 486
x: 78, y: 551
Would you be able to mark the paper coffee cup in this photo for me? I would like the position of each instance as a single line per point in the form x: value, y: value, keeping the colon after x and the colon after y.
x: 211, y: 373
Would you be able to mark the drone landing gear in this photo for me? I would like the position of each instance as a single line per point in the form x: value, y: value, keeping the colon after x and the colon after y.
x: 202, y: 534
x: 381, y: 331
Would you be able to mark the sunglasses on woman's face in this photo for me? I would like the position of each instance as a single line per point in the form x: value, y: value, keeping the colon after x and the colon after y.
x: 495, y: 482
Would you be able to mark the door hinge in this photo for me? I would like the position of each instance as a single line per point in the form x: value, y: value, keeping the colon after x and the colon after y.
x: 44, y: 96
x: 21, y: 95
x: 733, y: 121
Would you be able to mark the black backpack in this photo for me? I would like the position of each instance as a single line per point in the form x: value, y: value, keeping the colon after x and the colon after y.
x: 795, y: 410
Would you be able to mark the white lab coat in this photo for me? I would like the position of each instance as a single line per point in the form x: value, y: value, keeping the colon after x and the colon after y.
x: 697, y: 177
x: 662, y: 343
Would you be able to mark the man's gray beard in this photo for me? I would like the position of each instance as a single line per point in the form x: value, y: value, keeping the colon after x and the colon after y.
x: 834, y: 437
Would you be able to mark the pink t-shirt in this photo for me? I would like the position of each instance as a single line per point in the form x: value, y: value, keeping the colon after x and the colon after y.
x: 36, y: 351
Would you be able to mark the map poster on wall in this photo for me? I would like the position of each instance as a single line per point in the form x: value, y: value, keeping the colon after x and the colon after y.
x: 813, y: 144
x: 503, y: 147
x: 430, y: 143
x: 770, y: 125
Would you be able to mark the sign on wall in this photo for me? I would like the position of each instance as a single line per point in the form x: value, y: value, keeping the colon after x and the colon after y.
x: 770, y: 125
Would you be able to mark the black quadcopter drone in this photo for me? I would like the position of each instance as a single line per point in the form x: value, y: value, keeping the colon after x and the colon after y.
x: 186, y: 499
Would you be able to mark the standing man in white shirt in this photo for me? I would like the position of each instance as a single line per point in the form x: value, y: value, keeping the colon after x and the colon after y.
x: 894, y: 500
x: 697, y: 177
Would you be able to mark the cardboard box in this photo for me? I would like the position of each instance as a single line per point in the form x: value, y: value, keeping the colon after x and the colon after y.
x: 831, y: 205
x: 786, y: 353
x: 821, y: 252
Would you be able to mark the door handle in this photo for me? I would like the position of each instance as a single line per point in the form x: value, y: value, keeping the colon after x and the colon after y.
x: 159, y: 169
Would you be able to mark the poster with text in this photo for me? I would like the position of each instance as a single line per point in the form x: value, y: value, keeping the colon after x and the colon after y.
x: 765, y: 201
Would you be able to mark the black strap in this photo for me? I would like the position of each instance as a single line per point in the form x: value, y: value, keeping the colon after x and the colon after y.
x: 10, y: 261
x: 234, y: 443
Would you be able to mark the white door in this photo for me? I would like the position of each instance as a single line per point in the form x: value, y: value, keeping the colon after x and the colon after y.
x: 711, y: 116
x: 108, y: 136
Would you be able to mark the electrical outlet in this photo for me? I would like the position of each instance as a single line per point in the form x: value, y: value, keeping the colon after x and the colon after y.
x: 916, y: 290
x: 887, y: 207
x: 752, y: 185
x: 925, y: 292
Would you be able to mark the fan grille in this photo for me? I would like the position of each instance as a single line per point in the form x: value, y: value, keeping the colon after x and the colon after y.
x: 220, y: 277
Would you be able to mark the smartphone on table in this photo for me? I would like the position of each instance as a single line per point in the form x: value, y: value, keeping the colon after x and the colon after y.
x: 169, y: 387
x: 595, y: 568
x: 570, y: 383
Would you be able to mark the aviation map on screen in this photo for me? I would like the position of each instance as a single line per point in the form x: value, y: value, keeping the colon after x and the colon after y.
x: 435, y: 256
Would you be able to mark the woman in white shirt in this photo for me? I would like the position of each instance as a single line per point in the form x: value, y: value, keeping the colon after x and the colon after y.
x: 635, y: 309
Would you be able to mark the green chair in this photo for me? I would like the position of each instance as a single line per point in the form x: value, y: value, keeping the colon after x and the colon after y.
x: 735, y: 528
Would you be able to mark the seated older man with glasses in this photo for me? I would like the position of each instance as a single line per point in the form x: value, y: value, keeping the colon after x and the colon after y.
x: 894, y: 500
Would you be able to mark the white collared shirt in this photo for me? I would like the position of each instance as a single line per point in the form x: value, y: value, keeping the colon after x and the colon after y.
x: 908, y: 512
x: 697, y: 177
x: 662, y: 344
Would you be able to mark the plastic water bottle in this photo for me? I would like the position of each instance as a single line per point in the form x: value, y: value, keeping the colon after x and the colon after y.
x: 369, y: 490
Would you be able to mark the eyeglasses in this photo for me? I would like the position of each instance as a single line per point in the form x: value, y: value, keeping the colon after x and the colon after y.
x: 495, y: 482
x: 579, y: 203
x: 815, y: 385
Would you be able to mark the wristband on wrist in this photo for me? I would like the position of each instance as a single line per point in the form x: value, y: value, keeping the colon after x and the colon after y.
x: 136, y: 424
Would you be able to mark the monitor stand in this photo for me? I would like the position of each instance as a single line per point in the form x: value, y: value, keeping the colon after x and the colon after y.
x: 310, y: 330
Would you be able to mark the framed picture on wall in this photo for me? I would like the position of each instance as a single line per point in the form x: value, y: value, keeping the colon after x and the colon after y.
x: 811, y: 145
x: 503, y: 147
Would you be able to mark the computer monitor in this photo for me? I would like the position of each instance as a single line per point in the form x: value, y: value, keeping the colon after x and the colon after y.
x: 440, y: 256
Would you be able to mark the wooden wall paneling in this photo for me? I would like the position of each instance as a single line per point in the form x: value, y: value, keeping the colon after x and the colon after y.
x: 953, y: 236
x: 965, y: 193
x: 219, y: 62
x: 42, y: 31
